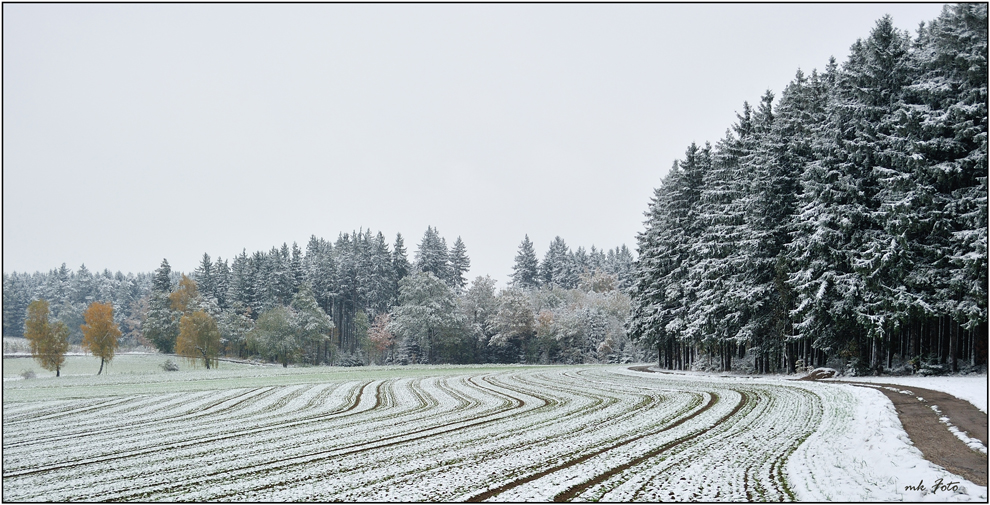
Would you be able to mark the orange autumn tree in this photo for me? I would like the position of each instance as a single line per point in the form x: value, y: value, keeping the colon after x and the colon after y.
x: 49, y: 341
x: 184, y: 296
x: 100, y: 333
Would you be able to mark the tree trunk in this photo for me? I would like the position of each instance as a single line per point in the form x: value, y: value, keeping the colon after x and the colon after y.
x: 101, y: 367
x: 791, y: 365
x: 953, y: 347
x: 728, y: 357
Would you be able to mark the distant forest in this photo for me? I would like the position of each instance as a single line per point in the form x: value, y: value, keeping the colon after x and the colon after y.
x: 845, y: 224
x: 359, y: 300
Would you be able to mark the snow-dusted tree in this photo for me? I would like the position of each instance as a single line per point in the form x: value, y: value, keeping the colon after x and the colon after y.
x: 161, y: 325
x: 432, y: 255
x: 234, y: 324
x: 204, y: 277
x: 16, y: 297
x: 321, y: 272
x: 459, y: 264
x: 515, y: 323
x: 381, y: 290
x: 558, y: 266
x: 525, y: 271
x: 296, y: 267
x: 619, y: 262
x: 282, y: 279
x: 83, y: 287
x: 162, y: 282
x: 479, y: 305
x: 597, y: 259
x: 581, y: 261
x: 400, y: 260
x: 658, y: 315
x: 274, y: 336
x: 869, y: 88
x: 241, y: 288
x: 427, y: 315
x: 221, y: 282
x: 312, y: 324
x: 715, y: 276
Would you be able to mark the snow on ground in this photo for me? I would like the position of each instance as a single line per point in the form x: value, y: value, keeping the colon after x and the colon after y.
x: 972, y: 388
x: 454, y: 433
x: 871, y: 458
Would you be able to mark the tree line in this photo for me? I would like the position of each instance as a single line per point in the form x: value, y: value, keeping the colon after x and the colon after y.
x: 848, y: 221
x: 357, y: 300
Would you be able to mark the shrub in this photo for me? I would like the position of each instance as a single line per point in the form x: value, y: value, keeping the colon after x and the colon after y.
x: 170, y: 366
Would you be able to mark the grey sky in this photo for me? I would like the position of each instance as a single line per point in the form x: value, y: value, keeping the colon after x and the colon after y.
x: 137, y: 132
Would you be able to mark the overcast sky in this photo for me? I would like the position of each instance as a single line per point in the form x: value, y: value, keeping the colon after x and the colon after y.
x: 137, y: 132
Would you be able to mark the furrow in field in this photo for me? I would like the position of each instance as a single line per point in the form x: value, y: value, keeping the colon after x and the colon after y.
x: 740, y: 460
x: 445, y: 466
x: 520, y: 434
x: 91, y: 449
x: 131, y: 419
x: 232, y: 453
x: 275, y: 473
x: 455, y: 464
x: 122, y: 435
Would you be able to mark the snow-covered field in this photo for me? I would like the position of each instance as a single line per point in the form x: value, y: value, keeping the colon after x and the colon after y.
x: 507, y: 433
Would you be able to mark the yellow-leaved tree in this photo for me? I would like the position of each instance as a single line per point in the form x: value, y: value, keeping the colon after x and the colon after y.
x: 184, y: 295
x: 100, y: 333
x: 49, y: 341
x: 199, y: 337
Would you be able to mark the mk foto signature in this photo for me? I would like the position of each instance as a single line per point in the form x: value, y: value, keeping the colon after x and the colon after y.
x: 938, y: 486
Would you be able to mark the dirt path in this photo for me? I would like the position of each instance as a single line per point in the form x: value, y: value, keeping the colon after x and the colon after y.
x: 933, y: 438
x: 928, y: 434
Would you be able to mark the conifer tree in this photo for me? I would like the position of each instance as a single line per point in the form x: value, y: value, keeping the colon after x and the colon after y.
x: 525, y: 271
x: 432, y: 256
x: 161, y: 325
x: 459, y: 264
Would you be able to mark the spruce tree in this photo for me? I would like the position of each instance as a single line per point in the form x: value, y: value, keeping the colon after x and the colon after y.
x: 459, y: 264
x: 432, y: 256
x: 525, y: 271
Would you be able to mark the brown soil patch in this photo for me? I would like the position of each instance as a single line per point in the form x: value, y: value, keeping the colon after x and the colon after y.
x: 933, y: 438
